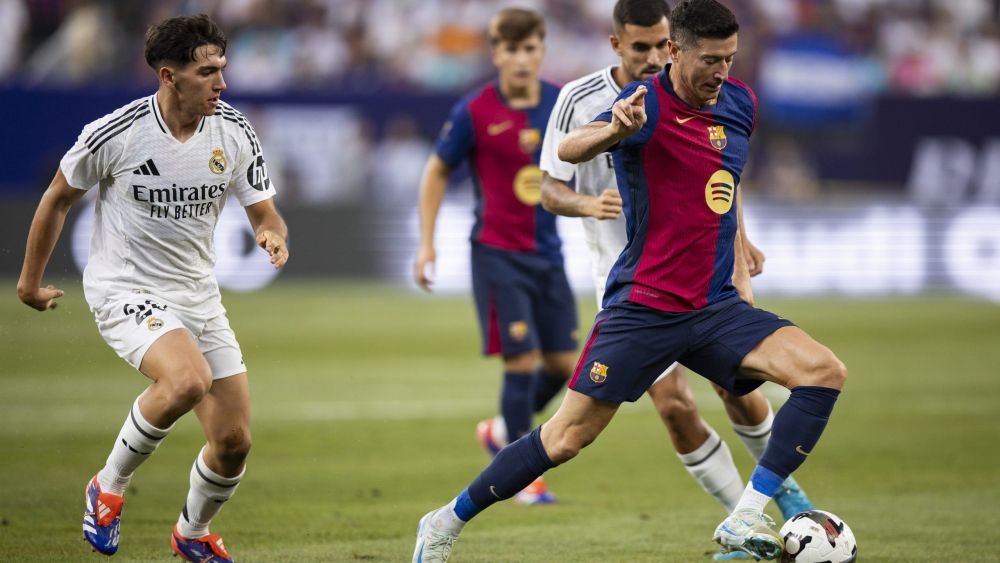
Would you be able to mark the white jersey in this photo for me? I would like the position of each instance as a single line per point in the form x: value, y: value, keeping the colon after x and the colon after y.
x: 579, y: 103
x: 160, y: 199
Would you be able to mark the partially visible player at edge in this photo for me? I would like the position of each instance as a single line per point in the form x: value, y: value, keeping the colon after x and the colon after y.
x: 526, y: 308
x: 640, y: 41
x: 164, y: 165
x: 670, y: 296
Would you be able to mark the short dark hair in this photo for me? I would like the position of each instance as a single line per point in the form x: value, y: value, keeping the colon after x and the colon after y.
x: 516, y: 24
x: 644, y: 13
x: 176, y: 39
x: 694, y: 20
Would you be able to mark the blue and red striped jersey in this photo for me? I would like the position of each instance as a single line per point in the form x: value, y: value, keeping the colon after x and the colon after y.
x: 678, y: 178
x: 502, y: 146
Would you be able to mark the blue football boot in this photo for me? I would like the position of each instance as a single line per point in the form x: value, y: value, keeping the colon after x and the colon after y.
x: 791, y: 500
x: 102, y: 519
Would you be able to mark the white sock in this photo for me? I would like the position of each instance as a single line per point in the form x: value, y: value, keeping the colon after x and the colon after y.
x: 755, y: 437
x: 208, y: 491
x: 712, y: 467
x: 499, y: 430
x: 446, y: 519
x: 136, y: 441
x: 752, y: 499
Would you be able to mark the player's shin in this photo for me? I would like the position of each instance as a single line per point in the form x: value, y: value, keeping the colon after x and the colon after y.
x: 545, y: 386
x: 712, y: 466
x: 755, y: 437
x: 516, y: 404
x: 136, y: 441
x: 208, y: 492
x: 511, y: 470
x: 797, y: 428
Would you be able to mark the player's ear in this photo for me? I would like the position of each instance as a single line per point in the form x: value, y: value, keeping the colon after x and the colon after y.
x: 674, y: 49
x: 616, y: 44
x: 166, y: 75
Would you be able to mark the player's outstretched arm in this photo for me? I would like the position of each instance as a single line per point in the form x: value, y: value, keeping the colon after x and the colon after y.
x: 46, y: 227
x: 270, y: 230
x: 587, y: 141
x: 432, y: 189
x: 560, y: 199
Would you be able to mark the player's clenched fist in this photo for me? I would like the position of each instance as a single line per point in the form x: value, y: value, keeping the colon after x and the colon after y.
x: 629, y: 115
x: 275, y: 246
x: 40, y: 298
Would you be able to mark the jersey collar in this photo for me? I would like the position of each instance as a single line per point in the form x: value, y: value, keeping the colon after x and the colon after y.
x: 161, y: 123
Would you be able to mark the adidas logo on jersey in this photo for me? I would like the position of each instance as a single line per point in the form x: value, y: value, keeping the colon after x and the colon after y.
x: 147, y: 169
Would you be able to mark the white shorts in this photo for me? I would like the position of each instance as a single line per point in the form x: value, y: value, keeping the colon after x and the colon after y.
x: 131, y: 323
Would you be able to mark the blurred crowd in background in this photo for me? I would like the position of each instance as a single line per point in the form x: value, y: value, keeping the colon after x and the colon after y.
x: 349, y: 94
x: 919, y: 47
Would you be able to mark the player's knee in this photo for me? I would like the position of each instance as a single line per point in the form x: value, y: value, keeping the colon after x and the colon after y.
x: 676, y: 411
x: 190, y: 386
x: 829, y: 371
x: 566, y: 446
x: 234, y: 447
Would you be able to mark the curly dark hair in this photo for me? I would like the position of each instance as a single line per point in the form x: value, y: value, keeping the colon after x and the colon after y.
x: 175, y: 40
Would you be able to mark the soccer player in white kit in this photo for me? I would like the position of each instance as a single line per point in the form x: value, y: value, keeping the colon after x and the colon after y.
x: 163, y: 166
x: 640, y: 40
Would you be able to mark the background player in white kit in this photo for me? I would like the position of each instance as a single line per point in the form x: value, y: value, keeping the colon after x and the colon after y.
x: 640, y: 40
x: 163, y: 166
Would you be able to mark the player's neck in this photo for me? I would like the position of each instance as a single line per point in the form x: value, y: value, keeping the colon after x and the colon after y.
x: 521, y: 97
x: 621, y: 78
x: 686, y: 94
x: 182, y: 125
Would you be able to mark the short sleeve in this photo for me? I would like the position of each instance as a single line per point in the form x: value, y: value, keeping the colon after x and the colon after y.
x: 456, y: 139
x: 251, y: 183
x: 549, y: 161
x: 87, y: 162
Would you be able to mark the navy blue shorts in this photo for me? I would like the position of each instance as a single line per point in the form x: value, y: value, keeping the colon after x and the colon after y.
x: 524, y: 303
x: 630, y: 345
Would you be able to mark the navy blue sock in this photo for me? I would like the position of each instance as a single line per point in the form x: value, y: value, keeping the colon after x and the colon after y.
x: 511, y: 470
x: 515, y: 404
x: 545, y: 386
x: 797, y: 427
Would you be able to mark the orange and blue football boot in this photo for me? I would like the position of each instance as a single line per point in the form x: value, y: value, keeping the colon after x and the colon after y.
x: 102, y: 519
x: 206, y: 549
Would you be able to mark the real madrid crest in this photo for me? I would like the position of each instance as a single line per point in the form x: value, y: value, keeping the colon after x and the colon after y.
x: 717, y: 136
x: 217, y: 164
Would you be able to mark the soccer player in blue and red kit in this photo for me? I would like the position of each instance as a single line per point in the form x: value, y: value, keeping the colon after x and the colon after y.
x: 526, y: 309
x: 679, y: 143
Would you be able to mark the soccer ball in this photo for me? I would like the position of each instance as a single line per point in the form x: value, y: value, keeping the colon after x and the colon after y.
x: 816, y: 536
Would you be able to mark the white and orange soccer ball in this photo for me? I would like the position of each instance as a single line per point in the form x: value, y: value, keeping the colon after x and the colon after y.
x: 816, y: 536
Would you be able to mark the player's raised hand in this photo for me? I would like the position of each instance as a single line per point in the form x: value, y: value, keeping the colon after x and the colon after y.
x: 275, y: 246
x: 42, y: 298
x: 426, y: 259
x: 607, y: 205
x: 629, y: 115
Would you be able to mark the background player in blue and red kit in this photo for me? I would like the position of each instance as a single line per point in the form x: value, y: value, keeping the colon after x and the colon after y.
x: 680, y: 143
x: 526, y: 309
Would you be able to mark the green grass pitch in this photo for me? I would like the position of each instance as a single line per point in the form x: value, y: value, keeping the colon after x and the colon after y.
x: 365, y: 399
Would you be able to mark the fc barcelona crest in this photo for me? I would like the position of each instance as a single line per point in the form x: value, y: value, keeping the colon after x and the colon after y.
x: 599, y: 372
x: 217, y: 164
x: 528, y: 140
x: 717, y: 136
